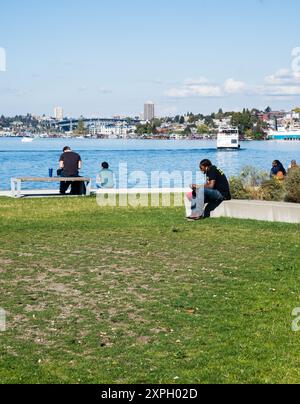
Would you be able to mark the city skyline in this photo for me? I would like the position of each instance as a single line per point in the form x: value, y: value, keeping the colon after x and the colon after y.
x: 107, y: 58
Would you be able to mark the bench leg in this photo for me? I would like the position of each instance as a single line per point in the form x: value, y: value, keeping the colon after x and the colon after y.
x: 18, y: 189
x: 88, y: 188
x: 13, y: 188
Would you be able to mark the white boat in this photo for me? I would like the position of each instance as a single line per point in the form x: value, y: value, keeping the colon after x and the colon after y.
x: 27, y: 140
x: 228, y: 138
x: 282, y: 134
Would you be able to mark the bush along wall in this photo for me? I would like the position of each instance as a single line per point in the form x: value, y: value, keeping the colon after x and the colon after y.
x: 292, y: 186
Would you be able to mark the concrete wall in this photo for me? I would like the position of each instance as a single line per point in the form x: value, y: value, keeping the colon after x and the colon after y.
x: 260, y: 210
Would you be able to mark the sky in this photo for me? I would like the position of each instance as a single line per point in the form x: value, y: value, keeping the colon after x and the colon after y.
x: 109, y: 57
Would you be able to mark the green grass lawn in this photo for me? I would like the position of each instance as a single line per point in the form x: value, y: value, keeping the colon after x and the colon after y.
x: 141, y: 296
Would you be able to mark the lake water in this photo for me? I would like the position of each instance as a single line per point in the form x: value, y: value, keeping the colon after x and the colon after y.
x: 34, y: 159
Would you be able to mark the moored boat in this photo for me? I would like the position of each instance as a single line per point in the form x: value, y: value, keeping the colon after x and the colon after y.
x: 282, y: 134
x: 27, y: 140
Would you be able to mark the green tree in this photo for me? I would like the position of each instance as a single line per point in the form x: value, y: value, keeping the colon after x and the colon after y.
x: 147, y: 129
x: 81, y: 130
x: 243, y: 120
x: 203, y: 129
x: 192, y: 118
x: 187, y: 131
x: 220, y: 114
x: 156, y: 122
x: 209, y: 121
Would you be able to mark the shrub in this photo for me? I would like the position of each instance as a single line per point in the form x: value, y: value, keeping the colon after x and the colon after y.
x: 292, y: 186
x: 237, y: 189
x: 252, y: 177
x: 246, y: 185
x: 272, y: 190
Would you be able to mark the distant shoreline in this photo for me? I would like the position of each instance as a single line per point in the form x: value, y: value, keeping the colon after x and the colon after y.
x: 125, y: 139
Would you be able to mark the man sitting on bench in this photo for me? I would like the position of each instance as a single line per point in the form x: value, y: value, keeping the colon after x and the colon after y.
x: 216, y: 189
x: 70, y: 163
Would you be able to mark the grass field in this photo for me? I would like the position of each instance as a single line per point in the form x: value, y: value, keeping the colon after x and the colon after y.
x: 140, y: 296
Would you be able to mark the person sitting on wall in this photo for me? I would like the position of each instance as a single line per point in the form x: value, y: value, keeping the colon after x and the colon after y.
x: 278, y: 171
x: 216, y: 189
x: 293, y: 166
x: 105, y: 179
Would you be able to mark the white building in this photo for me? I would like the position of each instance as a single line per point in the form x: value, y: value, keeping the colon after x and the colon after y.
x: 222, y: 122
x: 149, y: 111
x: 58, y: 113
x: 115, y: 130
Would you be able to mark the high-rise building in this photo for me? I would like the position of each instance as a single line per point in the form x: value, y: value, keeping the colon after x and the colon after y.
x: 58, y: 113
x: 149, y: 111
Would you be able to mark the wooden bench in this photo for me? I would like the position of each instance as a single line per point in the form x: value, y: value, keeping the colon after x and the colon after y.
x: 16, y: 183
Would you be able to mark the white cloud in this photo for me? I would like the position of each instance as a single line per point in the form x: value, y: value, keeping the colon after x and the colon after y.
x: 283, y: 83
x: 192, y: 91
x: 196, y: 82
x: 282, y: 91
x: 177, y: 93
x: 195, y: 88
x: 202, y: 87
x: 2, y: 60
x: 282, y: 77
x: 206, y: 90
x: 233, y: 86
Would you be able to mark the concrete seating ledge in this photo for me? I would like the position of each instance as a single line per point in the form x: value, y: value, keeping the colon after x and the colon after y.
x: 238, y: 209
x: 259, y: 210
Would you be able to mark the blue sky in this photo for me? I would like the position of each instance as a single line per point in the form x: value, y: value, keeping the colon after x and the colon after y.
x: 107, y: 57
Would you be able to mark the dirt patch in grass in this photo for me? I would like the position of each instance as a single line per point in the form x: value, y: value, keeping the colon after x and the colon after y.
x: 63, y: 289
x: 143, y: 340
x: 5, y: 262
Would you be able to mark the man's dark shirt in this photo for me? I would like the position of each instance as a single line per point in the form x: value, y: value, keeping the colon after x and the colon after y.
x: 222, y: 184
x: 70, y: 160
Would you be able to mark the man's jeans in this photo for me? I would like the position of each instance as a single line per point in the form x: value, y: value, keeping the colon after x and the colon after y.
x: 213, y: 198
x: 64, y: 186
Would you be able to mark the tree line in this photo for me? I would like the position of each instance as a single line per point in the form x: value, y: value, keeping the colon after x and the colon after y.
x: 248, y: 122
